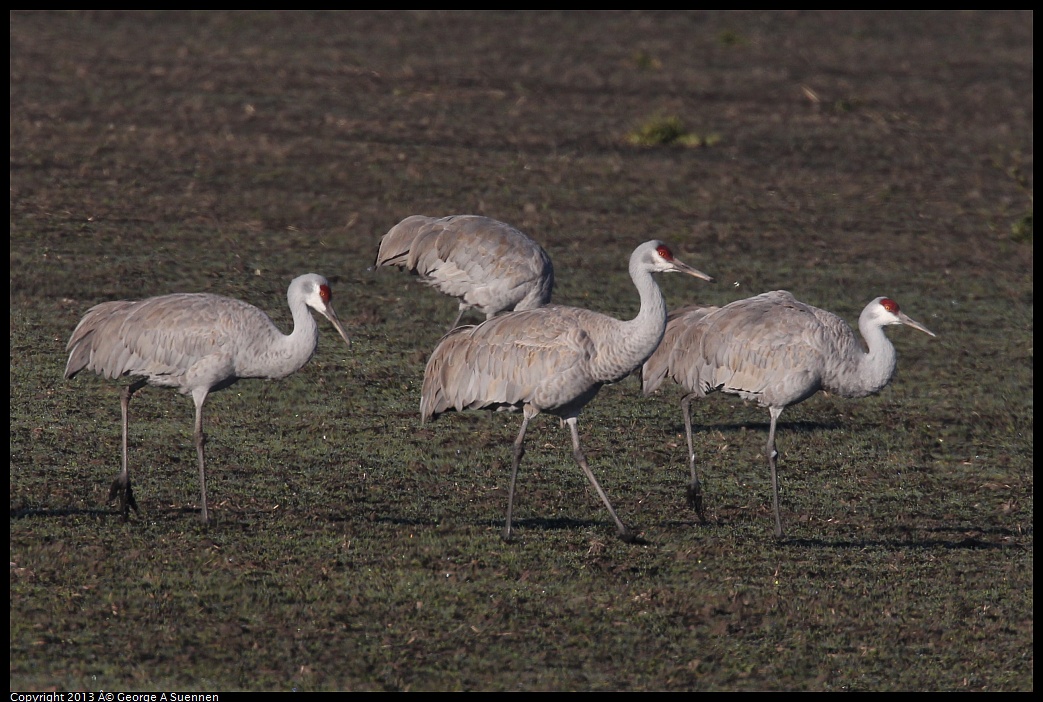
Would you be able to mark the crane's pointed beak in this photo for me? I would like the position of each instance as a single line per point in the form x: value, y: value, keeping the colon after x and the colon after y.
x: 909, y: 321
x: 331, y: 314
x: 685, y: 268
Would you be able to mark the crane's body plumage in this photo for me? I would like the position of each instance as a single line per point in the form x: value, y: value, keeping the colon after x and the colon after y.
x: 500, y: 365
x: 486, y: 264
x: 196, y: 343
x: 551, y: 359
x: 548, y: 358
x: 186, y: 340
x: 774, y: 350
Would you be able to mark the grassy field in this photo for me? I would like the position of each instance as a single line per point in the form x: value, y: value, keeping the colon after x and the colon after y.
x: 840, y: 156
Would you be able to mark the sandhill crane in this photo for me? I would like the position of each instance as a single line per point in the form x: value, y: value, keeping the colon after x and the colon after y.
x: 550, y: 359
x: 197, y: 343
x: 777, y: 351
x: 489, y: 265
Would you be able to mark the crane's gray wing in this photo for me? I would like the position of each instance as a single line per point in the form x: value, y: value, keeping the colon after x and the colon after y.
x: 395, y: 246
x: 682, y: 333
x: 100, y: 323
x: 165, y: 338
x: 487, y: 263
x: 769, y: 348
x: 538, y: 357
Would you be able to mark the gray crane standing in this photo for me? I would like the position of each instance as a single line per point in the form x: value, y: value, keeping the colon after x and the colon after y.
x: 551, y: 359
x: 197, y: 343
x: 774, y: 350
x: 489, y: 265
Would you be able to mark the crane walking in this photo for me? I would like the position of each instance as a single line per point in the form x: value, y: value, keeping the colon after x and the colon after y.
x: 197, y: 343
x: 489, y: 265
x: 551, y: 359
x: 774, y: 350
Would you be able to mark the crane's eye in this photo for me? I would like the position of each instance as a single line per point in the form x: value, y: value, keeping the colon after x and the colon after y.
x: 664, y: 251
x: 889, y: 305
x: 325, y: 293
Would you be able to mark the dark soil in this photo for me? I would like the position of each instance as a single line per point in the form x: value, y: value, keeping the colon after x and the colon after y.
x: 839, y: 155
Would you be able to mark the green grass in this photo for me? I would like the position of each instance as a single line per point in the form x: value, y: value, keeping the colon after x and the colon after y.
x: 1021, y: 230
x: 659, y: 130
x: 354, y: 548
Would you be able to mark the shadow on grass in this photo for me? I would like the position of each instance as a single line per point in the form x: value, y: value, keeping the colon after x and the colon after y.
x: 543, y: 524
x: 535, y: 523
x: 913, y: 544
x: 98, y: 512
x: 27, y: 512
x: 905, y: 537
x: 800, y: 426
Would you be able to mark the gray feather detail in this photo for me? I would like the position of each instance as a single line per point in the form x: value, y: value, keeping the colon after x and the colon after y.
x: 488, y: 265
x: 533, y: 356
x: 169, y: 339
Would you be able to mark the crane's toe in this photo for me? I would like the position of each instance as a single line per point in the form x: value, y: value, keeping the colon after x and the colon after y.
x: 121, y: 488
x: 694, y: 497
x: 630, y: 537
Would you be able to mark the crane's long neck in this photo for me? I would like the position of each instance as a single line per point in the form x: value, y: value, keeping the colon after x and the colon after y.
x: 283, y: 354
x: 637, y: 338
x: 866, y: 373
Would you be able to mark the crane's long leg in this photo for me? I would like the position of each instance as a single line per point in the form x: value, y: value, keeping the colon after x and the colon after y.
x: 200, y: 397
x: 624, y: 533
x: 459, y: 316
x: 772, y: 457
x: 519, y: 451
x: 121, y: 485
x: 695, y: 491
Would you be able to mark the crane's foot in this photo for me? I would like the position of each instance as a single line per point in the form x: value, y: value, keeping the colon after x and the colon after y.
x: 630, y: 537
x: 121, y: 488
x: 694, y: 497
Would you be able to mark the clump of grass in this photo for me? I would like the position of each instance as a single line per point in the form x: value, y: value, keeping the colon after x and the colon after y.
x: 646, y: 61
x: 844, y: 105
x: 730, y: 37
x: 1021, y: 231
x: 659, y: 131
